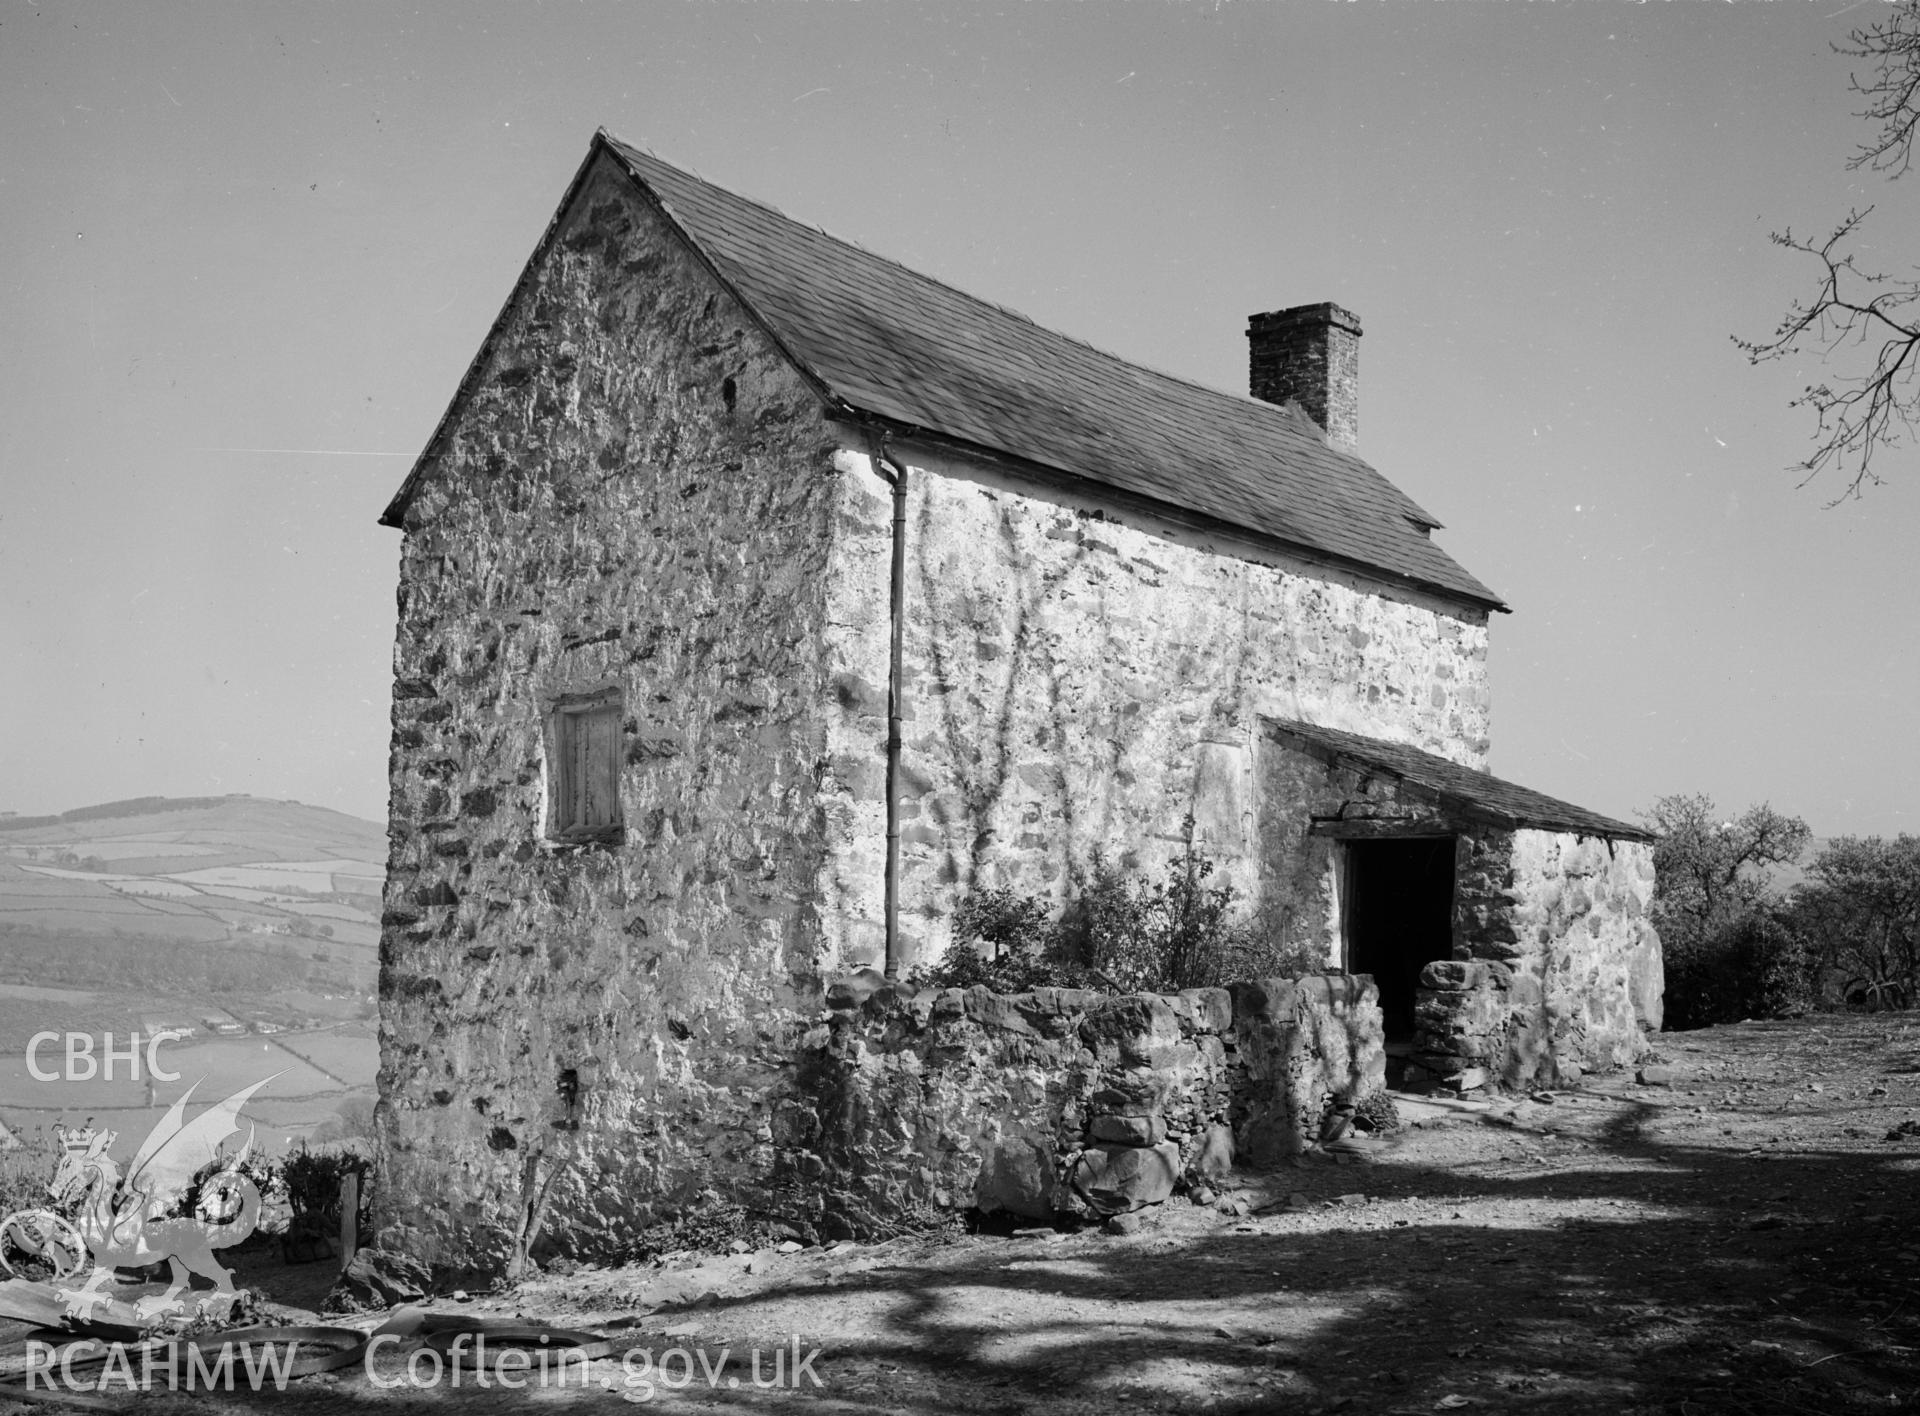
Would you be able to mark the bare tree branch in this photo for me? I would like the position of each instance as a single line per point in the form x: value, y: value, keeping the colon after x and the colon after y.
x: 1892, y: 92
x: 1852, y: 313
x: 1851, y: 310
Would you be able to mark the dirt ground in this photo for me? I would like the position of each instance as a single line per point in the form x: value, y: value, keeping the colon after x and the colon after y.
x: 1745, y: 1239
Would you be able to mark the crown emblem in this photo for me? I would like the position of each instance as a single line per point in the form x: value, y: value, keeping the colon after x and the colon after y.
x: 84, y: 1140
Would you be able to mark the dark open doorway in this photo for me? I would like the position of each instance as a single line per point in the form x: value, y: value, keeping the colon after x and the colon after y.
x: 1399, y: 918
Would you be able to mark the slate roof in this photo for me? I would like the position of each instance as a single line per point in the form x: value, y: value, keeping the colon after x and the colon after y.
x: 887, y: 342
x: 1475, y: 793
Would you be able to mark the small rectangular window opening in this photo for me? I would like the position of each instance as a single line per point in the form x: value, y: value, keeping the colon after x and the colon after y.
x: 584, y: 770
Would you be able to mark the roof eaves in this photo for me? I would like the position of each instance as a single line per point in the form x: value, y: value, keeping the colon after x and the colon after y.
x: 1067, y: 479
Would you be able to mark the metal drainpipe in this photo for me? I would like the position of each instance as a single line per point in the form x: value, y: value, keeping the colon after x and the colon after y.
x: 896, y: 474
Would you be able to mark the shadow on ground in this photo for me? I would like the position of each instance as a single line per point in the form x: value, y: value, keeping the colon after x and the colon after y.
x: 1661, y: 1260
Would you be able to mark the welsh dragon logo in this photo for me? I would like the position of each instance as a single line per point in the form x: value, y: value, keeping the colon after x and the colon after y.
x: 129, y: 1221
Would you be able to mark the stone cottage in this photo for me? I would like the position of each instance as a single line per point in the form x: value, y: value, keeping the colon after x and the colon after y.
x: 759, y: 596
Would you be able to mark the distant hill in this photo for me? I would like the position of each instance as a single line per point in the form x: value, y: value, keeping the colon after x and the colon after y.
x: 240, y: 869
x: 237, y: 820
x: 254, y: 923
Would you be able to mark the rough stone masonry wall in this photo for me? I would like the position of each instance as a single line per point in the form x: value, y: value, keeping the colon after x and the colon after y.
x: 637, y: 495
x: 1057, y: 1100
x: 1557, y: 966
x: 1080, y: 680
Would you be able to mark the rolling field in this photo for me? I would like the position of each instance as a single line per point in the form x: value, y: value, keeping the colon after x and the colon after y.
x: 260, y: 915
x: 313, y: 1076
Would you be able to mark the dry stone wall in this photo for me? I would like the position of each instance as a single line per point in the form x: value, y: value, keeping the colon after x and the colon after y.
x: 1300, y: 1041
x: 636, y: 497
x: 1080, y: 679
x: 1057, y: 1100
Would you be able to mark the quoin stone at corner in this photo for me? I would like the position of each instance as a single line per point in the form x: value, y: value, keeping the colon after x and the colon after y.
x: 760, y: 597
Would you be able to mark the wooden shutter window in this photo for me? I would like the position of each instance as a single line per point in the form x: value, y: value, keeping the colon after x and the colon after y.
x: 586, y: 780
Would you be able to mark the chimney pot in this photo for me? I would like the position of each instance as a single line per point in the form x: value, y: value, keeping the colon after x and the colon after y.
x: 1310, y: 355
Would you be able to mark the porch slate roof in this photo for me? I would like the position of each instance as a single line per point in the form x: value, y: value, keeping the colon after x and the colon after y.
x: 1475, y: 793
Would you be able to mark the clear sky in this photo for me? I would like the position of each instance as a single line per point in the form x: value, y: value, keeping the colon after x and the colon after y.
x: 249, y: 249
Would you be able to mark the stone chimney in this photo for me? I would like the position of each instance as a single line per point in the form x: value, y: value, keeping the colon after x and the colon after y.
x: 1310, y: 355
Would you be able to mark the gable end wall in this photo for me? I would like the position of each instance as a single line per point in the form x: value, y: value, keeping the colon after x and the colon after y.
x: 599, y: 517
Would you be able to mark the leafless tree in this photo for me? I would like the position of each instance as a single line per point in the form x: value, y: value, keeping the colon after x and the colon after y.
x: 1855, y: 311
x: 1893, y: 91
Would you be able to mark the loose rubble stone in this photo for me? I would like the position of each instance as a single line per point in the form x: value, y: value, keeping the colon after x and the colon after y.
x: 378, y: 1278
x: 1654, y: 1076
x: 1114, y: 1180
x: 1128, y: 1130
x: 1353, y: 1148
x: 855, y: 989
x: 1018, y: 1177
